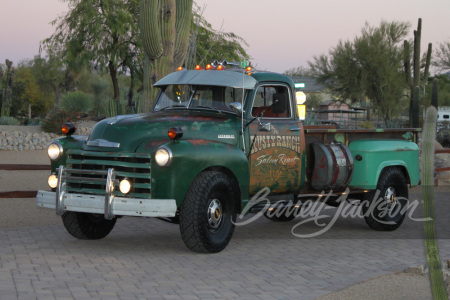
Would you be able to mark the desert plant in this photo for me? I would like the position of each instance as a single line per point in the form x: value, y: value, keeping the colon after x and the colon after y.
x: 165, y: 27
x: 414, y: 79
x: 434, y: 93
x: 76, y: 102
x: 9, y: 121
x: 366, y: 125
x: 431, y: 246
x: 6, y: 89
x: 443, y: 134
x: 414, y: 122
x: 311, y: 118
x: 99, y: 86
x: 54, y: 121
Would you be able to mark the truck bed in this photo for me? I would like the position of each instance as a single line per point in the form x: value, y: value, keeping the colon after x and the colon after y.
x: 328, y: 134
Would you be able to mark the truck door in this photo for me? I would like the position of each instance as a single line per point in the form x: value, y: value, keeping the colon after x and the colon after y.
x: 275, y: 155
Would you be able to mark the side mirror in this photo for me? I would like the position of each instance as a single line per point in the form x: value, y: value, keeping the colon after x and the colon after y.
x: 236, y: 107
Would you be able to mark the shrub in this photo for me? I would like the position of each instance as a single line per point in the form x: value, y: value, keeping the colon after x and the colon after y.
x: 54, y: 121
x: 366, y: 125
x: 443, y: 134
x: 9, y: 121
x: 77, y: 101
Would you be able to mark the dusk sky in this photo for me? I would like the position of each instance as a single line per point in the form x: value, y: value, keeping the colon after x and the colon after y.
x: 281, y: 34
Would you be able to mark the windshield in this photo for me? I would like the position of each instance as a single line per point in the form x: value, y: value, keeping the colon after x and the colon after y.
x: 197, y: 96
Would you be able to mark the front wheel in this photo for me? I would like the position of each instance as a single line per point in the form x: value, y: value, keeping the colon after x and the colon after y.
x: 86, y: 226
x: 208, y: 213
x: 384, y: 208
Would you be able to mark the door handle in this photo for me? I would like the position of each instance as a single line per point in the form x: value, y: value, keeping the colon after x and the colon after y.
x: 264, y: 127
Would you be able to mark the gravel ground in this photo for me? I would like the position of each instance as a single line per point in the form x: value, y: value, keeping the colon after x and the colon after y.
x: 23, y: 213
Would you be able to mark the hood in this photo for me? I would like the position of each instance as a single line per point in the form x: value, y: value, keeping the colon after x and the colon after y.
x: 127, y: 133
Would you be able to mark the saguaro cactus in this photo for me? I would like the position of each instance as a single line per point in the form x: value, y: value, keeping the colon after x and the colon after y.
x: 414, y: 79
x: 6, y: 90
x: 165, y: 27
x: 434, y: 93
x: 415, y: 108
x: 431, y: 246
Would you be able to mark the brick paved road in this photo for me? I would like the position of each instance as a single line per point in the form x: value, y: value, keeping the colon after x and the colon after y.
x: 146, y: 259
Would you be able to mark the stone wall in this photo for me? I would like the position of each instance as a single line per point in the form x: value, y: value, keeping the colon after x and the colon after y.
x: 20, y: 138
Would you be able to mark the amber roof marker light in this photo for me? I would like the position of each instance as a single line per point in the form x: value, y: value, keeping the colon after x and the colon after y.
x: 175, y: 133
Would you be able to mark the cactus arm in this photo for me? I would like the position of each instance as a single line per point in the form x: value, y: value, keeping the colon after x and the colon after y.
x: 416, y: 62
x: 434, y: 94
x: 427, y: 65
x: 150, y: 31
x: 168, y: 17
x: 415, y: 108
x: 183, y: 22
x: 407, y: 62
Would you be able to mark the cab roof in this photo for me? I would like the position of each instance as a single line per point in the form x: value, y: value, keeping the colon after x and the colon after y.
x: 230, y: 78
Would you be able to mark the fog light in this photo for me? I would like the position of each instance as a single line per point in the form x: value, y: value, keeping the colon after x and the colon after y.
x: 53, y: 181
x: 125, y: 186
x: 54, y: 151
x: 163, y: 156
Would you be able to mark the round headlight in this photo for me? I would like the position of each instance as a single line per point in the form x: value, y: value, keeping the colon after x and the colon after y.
x: 163, y: 156
x: 53, y: 181
x: 54, y: 150
x: 125, y: 186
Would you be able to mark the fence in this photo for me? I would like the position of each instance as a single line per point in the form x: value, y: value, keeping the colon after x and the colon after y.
x: 21, y: 167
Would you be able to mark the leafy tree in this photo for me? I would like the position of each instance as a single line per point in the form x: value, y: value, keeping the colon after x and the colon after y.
x: 370, y: 67
x: 105, y: 36
x: 207, y: 44
x: 26, y: 93
x: 49, y: 73
x: 298, y: 72
x: 313, y: 101
x: 101, y: 33
x: 442, y: 56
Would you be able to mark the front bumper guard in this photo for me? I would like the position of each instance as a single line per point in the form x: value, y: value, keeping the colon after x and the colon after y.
x: 109, y: 205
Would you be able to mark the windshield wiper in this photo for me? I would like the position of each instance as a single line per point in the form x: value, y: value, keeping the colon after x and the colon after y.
x: 170, y: 106
x: 207, y: 107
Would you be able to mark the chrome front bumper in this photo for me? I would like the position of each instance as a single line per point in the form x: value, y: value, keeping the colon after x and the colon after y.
x: 109, y: 205
x: 119, y: 206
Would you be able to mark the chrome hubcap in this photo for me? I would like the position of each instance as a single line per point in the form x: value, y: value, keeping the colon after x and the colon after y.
x: 390, y: 198
x: 215, y: 214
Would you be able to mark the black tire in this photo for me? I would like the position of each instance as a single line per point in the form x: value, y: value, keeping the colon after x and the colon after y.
x: 208, y: 213
x: 388, y: 211
x: 86, y: 226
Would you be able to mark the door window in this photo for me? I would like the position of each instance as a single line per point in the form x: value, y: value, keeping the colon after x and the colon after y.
x: 272, y: 101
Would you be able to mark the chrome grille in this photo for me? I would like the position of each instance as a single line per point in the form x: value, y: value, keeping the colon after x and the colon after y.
x: 87, y: 172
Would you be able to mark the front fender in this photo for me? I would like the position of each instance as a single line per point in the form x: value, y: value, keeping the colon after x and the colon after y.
x: 190, y: 158
x: 70, y: 142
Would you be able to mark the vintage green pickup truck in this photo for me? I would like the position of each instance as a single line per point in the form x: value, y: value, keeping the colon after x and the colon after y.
x: 214, y: 139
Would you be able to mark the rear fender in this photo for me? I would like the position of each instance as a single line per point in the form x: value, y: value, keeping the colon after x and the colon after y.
x: 371, y: 157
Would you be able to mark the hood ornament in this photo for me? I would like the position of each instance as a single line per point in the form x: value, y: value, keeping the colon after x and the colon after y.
x: 103, y: 143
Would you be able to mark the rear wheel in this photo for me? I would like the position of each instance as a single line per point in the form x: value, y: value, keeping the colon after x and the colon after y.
x: 208, y: 213
x: 384, y: 208
x: 86, y: 226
